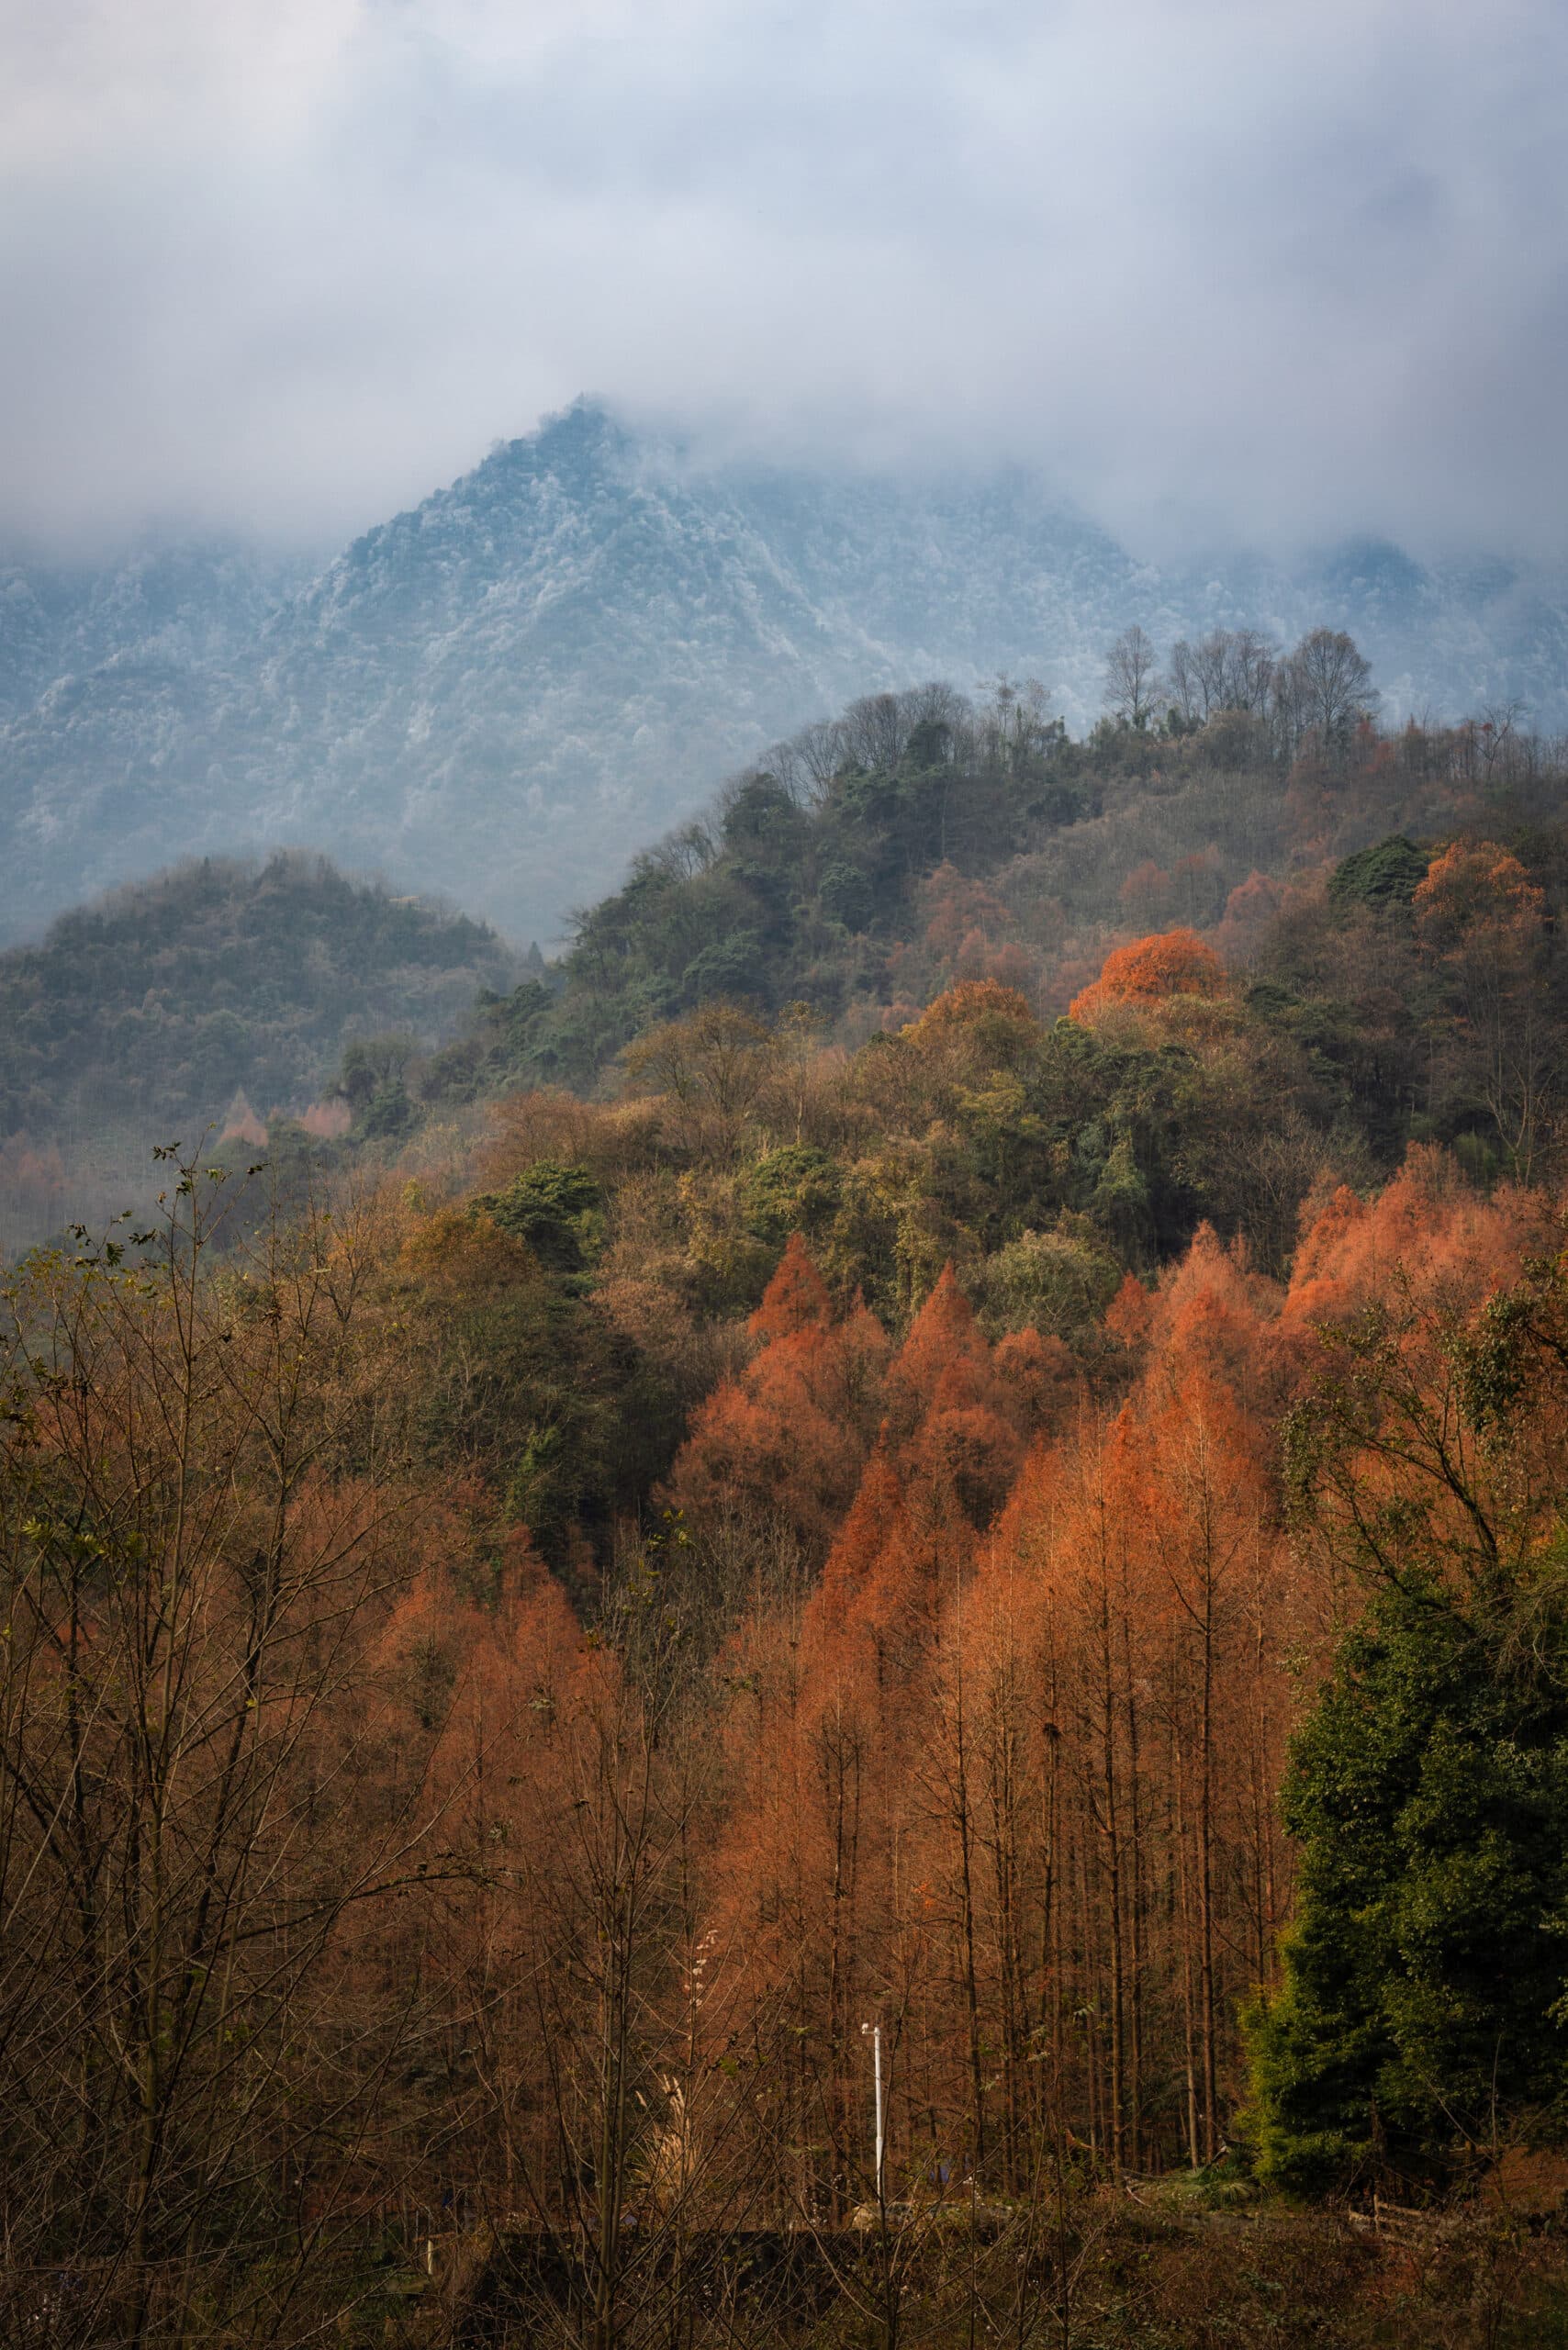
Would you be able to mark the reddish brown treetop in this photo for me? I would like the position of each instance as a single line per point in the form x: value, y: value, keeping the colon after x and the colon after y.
x: 796, y: 1299
x: 1172, y: 962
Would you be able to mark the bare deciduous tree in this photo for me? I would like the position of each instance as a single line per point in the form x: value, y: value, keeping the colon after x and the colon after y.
x: 1323, y: 691
x: 200, y: 1494
x: 1132, y: 678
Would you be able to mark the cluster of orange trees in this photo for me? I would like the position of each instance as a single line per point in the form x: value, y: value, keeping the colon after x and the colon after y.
x: 430, y: 1795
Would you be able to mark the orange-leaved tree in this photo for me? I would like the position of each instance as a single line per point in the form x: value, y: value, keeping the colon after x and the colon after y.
x: 785, y: 1440
x: 1152, y: 970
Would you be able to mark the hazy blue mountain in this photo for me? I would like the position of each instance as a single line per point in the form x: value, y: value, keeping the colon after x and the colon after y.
x: 503, y: 692
x: 186, y: 606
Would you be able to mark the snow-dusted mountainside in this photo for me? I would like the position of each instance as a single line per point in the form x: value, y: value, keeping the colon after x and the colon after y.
x: 503, y: 692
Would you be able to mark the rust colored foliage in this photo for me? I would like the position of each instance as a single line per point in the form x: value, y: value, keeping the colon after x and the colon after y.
x: 945, y: 1345
x: 796, y: 1299
x: 1038, y: 1376
x: 1428, y: 1234
x: 1151, y: 970
x: 859, y: 1544
x: 1004, y: 1782
x: 955, y: 909
x: 1130, y: 1314
x: 1472, y: 885
x: 788, y: 1436
x: 951, y: 1417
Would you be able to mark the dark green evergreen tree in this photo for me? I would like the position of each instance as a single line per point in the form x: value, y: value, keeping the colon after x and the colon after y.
x: 1421, y: 2022
x: 1385, y: 875
x: 1421, y: 2016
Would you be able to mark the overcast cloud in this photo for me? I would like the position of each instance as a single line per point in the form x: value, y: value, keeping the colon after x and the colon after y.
x: 1222, y: 270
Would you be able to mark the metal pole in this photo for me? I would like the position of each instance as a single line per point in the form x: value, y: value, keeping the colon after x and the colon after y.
x: 876, y: 2031
x: 877, y: 2064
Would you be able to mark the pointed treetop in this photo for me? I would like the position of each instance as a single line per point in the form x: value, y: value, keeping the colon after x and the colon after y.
x: 1130, y: 1314
x: 796, y: 1299
x: 862, y: 1538
x: 943, y: 1333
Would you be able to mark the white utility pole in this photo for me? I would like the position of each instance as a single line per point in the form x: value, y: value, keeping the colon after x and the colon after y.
x: 876, y: 2031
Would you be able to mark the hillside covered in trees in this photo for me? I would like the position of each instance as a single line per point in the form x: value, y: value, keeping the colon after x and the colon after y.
x: 220, y: 993
x: 892, y: 1672
x: 922, y: 840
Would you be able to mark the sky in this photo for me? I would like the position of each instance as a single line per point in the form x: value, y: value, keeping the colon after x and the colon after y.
x: 1226, y: 274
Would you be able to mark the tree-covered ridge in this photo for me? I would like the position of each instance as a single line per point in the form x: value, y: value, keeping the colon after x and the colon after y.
x: 143, y: 1016
x: 1299, y: 1004
x: 922, y: 838
x: 1043, y: 1160
x: 869, y: 862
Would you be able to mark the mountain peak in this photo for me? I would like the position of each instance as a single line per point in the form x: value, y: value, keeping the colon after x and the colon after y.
x: 504, y: 691
x: 584, y: 438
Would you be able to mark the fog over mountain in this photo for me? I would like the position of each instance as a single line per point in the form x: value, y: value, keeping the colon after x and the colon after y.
x: 505, y: 692
x: 987, y: 321
x: 1273, y: 276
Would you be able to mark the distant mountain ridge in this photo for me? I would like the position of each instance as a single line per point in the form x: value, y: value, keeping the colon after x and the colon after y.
x: 503, y: 692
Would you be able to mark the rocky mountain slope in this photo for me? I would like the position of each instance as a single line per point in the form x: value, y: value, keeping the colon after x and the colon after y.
x: 503, y: 692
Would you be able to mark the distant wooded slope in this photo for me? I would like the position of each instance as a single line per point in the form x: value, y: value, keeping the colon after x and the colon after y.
x: 140, y: 1018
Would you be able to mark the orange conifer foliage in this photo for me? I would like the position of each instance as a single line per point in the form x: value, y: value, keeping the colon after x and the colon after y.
x: 949, y: 1415
x: 796, y: 1299
x: 1020, y: 1792
x: 1005, y: 1776
x: 805, y: 1872
x: 1130, y: 1314
x: 858, y: 1546
x: 787, y: 1437
x: 968, y: 1448
x: 1002, y: 1775
x: 1426, y: 1232
x: 1151, y: 971
x: 943, y: 1342
x: 1037, y: 1377
x: 1211, y: 1312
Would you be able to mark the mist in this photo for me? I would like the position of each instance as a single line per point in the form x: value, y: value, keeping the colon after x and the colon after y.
x: 1221, y: 274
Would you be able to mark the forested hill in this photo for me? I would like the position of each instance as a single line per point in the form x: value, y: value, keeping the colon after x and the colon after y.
x: 224, y: 988
x: 995, y: 1470
x: 499, y: 691
x: 938, y: 987
x: 829, y: 893
x: 918, y: 839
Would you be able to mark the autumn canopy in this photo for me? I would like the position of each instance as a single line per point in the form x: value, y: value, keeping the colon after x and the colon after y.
x: 1170, y: 963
